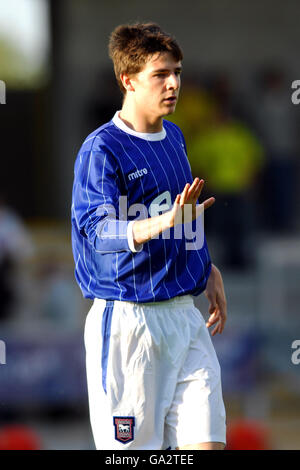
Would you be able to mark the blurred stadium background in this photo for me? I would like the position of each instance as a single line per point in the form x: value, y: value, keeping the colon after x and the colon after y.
x: 242, y: 133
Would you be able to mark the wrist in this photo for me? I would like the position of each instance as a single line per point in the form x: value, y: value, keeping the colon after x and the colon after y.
x: 168, y: 219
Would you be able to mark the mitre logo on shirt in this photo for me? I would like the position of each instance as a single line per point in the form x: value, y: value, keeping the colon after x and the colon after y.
x: 137, y: 174
x: 124, y: 428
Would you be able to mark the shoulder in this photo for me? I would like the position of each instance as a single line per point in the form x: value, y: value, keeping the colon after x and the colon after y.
x: 173, y: 130
x: 107, y: 140
x: 175, y: 133
x: 98, y: 150
x: 100, y: 138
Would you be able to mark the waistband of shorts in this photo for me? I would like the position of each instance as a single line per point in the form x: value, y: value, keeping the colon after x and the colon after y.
x: 178, y: 300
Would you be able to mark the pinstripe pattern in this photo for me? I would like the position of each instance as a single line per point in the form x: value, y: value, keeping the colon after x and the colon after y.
x: 143, y: 201
x: 157, y: 187
x: 105, y: 267
x: 183, y: 172
x: 179, y: 191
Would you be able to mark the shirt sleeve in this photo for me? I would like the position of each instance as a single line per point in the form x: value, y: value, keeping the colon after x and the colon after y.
x: 96, y: 203
x: 130, y: 239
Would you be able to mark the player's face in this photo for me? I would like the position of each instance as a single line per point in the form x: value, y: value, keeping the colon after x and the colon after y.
x: 156, y: 86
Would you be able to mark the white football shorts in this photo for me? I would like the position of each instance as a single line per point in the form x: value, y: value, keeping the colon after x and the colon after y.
x: 153, y: 376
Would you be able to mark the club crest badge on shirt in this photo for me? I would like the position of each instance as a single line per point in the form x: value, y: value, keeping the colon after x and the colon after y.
x: 124, y: 428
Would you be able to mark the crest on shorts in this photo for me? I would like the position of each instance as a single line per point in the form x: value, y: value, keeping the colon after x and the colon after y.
x: 124, y: 428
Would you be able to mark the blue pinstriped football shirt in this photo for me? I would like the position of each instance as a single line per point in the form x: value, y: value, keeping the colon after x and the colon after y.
x: 121, y: 175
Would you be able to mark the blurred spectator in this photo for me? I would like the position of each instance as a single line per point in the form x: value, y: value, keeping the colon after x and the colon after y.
x: 195, y: 110
x: 59, y: 296
x: 19, y: 437
x: 229, y: 157
x: 277, y: 125
x: 220, y: 87
x: 15, y: 247
x: 247, y: 435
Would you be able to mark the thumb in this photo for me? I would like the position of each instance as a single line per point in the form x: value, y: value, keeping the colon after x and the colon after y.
x: 199, y: 209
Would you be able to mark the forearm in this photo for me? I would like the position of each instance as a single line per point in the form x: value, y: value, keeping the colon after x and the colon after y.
x: 146, y: 229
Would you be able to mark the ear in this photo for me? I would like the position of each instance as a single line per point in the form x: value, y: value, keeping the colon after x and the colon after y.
x: 127, y: 82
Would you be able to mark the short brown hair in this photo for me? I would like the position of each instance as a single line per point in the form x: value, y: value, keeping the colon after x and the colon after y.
x: 130, y: 47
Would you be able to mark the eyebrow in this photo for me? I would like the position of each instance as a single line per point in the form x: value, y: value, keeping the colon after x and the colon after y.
x: 177, y: 69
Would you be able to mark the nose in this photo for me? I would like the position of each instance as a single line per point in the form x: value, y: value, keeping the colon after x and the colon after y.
x: 173, y: 81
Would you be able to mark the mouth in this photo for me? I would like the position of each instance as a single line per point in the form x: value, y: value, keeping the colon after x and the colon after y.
x: 171, y: 99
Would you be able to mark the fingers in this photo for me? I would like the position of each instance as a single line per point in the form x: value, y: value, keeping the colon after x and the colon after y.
x: 191, y: 192
x: 199, y: 188
x: 189, y: 197
x: 214, y: 317
x: 209, y: 202
x: 204, y: 205
x: 184, y: 195
x: 217, y: 316
x: 177, y: 199
x: 195, y: 189
x: 217, y: 329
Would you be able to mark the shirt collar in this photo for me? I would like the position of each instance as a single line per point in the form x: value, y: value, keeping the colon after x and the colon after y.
x: 142, y: 135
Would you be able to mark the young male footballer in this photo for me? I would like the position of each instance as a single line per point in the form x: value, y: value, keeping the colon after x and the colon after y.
x: 140, y: 253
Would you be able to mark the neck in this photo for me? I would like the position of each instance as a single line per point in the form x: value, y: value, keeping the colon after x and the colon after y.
x: 138, y: 120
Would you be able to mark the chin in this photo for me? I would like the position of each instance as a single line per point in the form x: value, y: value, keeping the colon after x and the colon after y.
x: 169, y: 110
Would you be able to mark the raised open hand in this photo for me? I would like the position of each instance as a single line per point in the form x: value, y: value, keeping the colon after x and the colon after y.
x: 185, y: 208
